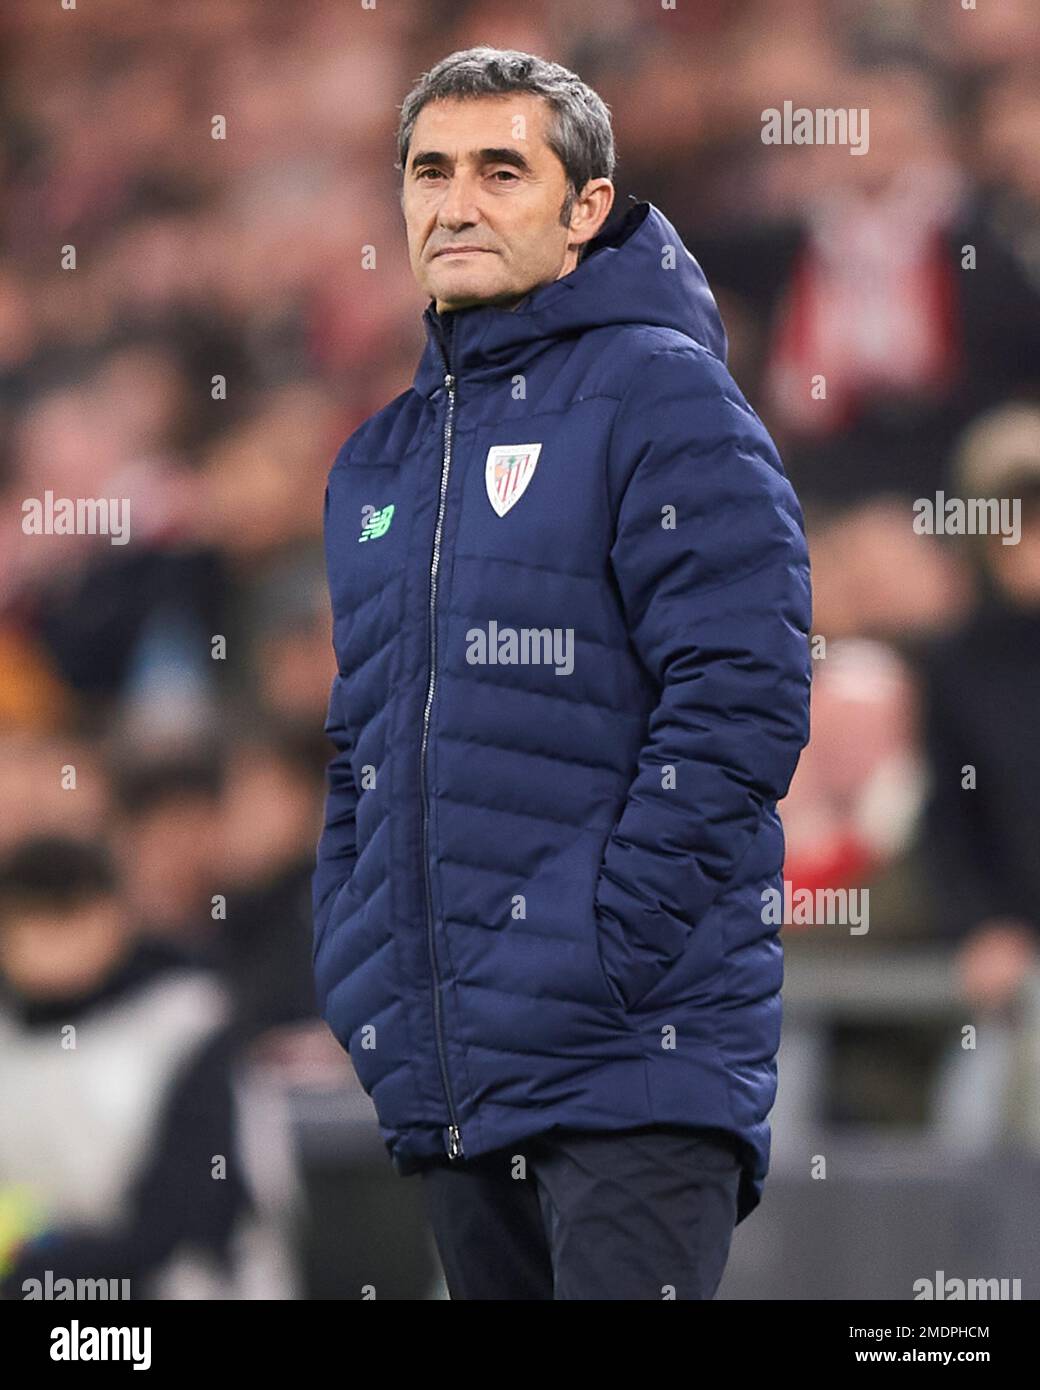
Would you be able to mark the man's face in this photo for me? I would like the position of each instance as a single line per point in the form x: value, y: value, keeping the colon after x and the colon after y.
x: 482, y: 199
x: 47, y: 952
x: 1017, y: 567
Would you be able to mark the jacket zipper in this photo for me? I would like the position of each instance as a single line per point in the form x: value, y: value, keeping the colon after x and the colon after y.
x: 454, y: 1143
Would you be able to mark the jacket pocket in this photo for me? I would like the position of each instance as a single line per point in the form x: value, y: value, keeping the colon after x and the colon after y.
x: 630, y: 973
x: 609, y: 982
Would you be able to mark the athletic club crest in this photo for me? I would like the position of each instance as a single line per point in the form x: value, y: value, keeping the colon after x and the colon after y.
x: 508, y: 470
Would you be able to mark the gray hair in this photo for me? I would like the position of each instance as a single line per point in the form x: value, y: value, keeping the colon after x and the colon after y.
x: 578, y: 133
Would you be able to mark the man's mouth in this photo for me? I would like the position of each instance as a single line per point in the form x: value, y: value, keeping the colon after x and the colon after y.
x: 462, y: 251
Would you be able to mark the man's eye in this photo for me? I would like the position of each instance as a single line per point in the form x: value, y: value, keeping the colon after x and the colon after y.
x: 507, y: 172
x: 423, y: 172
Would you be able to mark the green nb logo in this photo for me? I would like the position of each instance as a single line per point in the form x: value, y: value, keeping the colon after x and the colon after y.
x: 375, y: 523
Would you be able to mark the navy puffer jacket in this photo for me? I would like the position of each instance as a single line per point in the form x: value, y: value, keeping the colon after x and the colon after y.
x: 571, y: 605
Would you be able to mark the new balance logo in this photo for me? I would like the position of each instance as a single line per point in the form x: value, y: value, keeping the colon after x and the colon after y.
x: 375, y: 522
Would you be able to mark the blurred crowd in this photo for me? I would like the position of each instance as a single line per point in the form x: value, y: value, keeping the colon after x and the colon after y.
x: 196, y: 323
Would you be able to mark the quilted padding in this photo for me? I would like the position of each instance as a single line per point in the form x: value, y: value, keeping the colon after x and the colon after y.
x: 538, y: 892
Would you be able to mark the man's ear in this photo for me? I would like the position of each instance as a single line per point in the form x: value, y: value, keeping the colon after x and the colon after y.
x: 597, y: 197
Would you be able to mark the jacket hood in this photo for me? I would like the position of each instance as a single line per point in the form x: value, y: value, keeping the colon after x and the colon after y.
x: 620, y: 280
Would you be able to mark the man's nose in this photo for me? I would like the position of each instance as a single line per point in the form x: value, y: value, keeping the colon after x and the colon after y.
x: 458, y: 205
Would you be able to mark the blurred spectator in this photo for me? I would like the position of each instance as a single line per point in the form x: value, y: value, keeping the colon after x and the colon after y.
x: 133, y: 1167
x: 271, y: 818
x: 895, y: 287
x: 851, y: 815
x: 290, y: 642
x: 982, y: 693
x: 49, y: 785
x: 873, y: 576
x: 167, y: 839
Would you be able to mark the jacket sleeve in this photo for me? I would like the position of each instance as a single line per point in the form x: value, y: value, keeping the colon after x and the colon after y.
x: 337, y: 851
x: 337, y: 847
x: 718, y: 609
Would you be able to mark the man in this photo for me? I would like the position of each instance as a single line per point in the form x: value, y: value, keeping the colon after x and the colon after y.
x: 570, y: 597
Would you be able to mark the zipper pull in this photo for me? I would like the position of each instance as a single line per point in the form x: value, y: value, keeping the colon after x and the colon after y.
x: 454, y: 1142
x: 449, y: 381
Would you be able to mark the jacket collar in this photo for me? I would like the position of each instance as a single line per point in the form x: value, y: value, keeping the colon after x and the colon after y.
x: 636, y: 271
x: 488, y: 341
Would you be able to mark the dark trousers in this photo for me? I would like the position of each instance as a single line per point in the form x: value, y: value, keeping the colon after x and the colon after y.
x: 642, y: 1214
